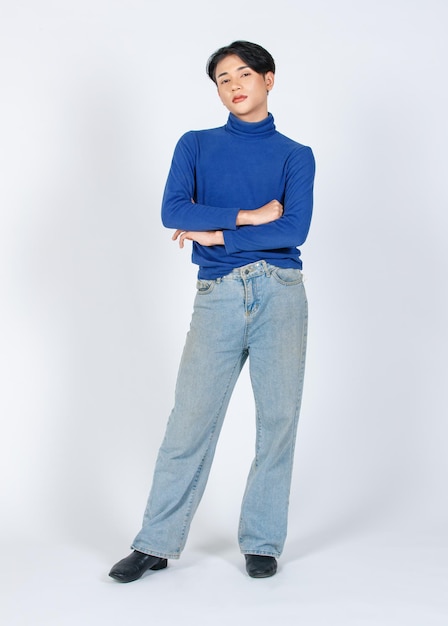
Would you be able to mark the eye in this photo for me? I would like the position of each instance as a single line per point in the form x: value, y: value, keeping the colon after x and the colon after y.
x: 246, y: 74
x: 224, y: 80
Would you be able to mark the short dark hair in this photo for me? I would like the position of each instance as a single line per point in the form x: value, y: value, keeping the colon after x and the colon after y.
x: 256, y: 57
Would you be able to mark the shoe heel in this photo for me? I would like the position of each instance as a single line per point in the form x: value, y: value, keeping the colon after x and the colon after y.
x: 160, y: 565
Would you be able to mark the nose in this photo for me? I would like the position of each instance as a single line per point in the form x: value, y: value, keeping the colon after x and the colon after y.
x: 235, y: 86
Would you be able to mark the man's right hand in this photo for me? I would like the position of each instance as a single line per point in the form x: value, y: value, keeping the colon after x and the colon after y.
x: 264, y: 215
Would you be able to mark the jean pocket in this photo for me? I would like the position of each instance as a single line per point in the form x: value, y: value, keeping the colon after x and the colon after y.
x: 204, y: 287
x: 288, y: 276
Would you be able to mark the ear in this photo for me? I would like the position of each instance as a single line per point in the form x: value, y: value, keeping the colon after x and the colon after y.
x: 269, y: 79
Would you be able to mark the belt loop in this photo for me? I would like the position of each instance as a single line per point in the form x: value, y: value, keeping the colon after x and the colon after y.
x: 268, y: 268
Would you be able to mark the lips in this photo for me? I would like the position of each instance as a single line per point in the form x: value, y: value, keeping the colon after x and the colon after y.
x: 237, y: 99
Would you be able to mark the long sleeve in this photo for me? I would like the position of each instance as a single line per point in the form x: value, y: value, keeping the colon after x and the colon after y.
x: 292, y: 228
x: 179, y: 206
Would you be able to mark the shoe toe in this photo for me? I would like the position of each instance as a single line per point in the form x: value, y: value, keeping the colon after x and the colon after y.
x: 135, y: 565
x: 259, y: 566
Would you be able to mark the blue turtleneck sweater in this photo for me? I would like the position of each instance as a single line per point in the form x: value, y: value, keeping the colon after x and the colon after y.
x: 242, y: 165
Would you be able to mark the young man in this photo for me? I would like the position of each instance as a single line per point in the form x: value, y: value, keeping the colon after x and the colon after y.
x: 242, y: 193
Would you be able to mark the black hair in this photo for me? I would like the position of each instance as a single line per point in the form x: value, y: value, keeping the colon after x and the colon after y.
x: 256, y: 57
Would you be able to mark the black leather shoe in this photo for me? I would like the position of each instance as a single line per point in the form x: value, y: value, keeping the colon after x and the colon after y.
x: 135, y: 565
x: 258, y: 566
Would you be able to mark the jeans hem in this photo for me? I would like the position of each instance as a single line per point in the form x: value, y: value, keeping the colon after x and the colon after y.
x: 276, y: 555
x: 161, y: 555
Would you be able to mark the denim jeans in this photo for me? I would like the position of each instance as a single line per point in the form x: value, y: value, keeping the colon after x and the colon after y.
x: 257, y: 311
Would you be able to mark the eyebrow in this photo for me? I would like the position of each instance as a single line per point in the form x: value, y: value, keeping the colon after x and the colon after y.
x: 243, y: 67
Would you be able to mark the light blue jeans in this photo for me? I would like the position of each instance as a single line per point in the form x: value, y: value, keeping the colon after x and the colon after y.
x: 257, y: 311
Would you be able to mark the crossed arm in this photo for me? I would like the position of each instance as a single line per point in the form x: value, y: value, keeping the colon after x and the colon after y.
x: 267, y: 213
x: 233, y: 228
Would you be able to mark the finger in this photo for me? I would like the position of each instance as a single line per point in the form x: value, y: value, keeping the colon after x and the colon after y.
x: 182, y: 239
x: 176, y: 235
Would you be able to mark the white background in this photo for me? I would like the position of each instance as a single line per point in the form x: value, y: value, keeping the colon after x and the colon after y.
x: 96, y: 301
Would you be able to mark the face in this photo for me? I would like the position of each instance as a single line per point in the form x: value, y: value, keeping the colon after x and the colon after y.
x: 243, y: 91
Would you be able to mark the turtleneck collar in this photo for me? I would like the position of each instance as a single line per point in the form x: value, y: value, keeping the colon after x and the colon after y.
x: 250, y: 129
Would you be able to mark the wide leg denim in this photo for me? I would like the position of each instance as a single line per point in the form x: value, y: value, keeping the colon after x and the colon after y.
x: 257, y: 311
